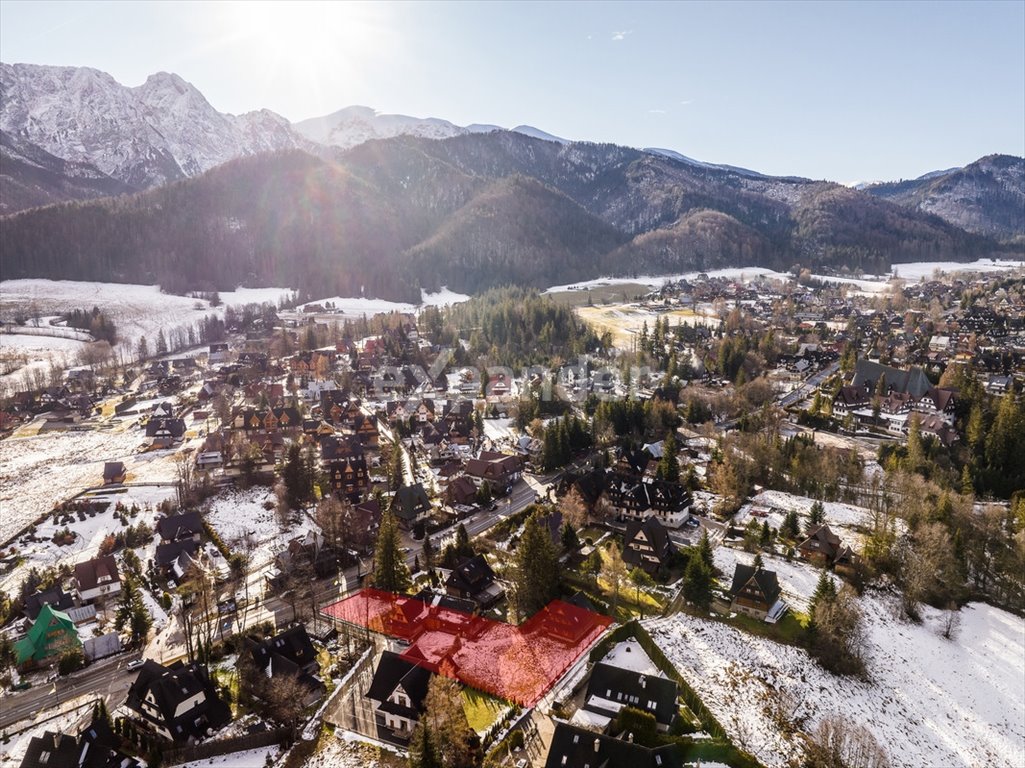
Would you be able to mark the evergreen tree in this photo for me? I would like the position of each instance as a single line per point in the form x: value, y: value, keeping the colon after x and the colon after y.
x: 390, y: 570
x: 816, y: 516
x: 669, y: 464
x: 791, y: 528
x: 131, y: 613
x: 705, y: 550
x: 697, y: 583
x: 825, y: 591
x: 569, y: 538
x: 422, y: 753
x: 758, y: 564
x: 463, y: 546
x: 428, y: 553
x: 536, y: 568
x: 396, y: 467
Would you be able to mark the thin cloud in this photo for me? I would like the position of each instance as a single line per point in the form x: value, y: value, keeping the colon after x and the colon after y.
x: 685, y: 102
x: 656, y: 111
x: 617, y: 36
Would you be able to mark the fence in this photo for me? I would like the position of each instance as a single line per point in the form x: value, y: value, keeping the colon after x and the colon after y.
x: 210, y: 749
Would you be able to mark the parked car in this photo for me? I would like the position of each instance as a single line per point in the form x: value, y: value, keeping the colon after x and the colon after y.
x: 21, y: 685
x: 134, y: 664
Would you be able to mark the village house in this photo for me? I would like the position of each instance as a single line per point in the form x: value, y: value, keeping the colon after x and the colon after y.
x: 411, y: 505
x: 114, y: 472
x: 646, y: 545
x: 97, y: 579
x: 474, y: 580
x: 610, y: 688
x: 825, y: 549
x: 756, y: 592
x: 498, y: 470
x: 178, y: 702
x: 51, y: 633
x: 289, y: 654
x: 575, y: 747
x: 633, y: 498
x: 397, y: 694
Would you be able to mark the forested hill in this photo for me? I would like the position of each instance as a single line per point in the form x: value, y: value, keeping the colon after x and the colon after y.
x: 389, y: 217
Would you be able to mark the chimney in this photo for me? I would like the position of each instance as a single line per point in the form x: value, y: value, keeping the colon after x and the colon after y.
x: 597, y: 745
x: 630, y: 738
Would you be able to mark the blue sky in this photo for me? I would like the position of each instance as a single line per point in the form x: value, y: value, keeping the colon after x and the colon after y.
x: 844, y: 91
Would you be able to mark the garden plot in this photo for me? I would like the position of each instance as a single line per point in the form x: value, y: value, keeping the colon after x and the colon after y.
x: 89, y: 532
x: 930, y: 701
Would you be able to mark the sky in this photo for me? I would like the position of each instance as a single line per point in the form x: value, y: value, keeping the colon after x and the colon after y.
x: 849, y: 92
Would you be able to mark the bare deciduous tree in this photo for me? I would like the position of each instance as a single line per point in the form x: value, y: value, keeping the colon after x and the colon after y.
x: 840, y: 743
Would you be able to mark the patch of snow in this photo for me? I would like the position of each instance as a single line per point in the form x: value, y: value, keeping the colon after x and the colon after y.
x: 929, y: 700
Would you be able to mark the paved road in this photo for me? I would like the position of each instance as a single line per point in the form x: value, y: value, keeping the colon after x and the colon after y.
x: 107, y: 678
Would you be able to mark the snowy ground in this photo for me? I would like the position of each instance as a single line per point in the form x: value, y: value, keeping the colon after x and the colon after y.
x: 357, y: 307
x: 251, y: 758
x: 931, y: 702
x: 848, y: 521
x: 239, y: 514
x: 797, y: 579
x: 14, y: 750
x: 89, y: 532
x: 38, y: 471
x: 870, y: 283
x: 338, y: 753
x: 137, y: 310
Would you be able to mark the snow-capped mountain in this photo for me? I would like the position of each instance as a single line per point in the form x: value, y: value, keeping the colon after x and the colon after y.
x: 986, y: 197
x: 145, y: 136
x: 352, y: 126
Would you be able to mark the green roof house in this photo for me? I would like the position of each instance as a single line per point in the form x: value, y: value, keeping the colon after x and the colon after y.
x: 52, y: 632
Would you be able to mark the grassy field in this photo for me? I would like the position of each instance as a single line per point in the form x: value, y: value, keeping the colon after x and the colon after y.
x: 602, y: 294
x: 625, y: 321
x: 481, y: 709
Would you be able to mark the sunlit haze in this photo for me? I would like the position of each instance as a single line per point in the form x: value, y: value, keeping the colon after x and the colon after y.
x: 856, y: 91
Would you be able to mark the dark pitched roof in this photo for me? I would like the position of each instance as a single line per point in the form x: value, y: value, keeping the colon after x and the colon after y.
x: 393, y: 671
x: 472, y: 575
x: 410, y: 501
x: 627, y: 688
x: 89, y: 573
x: 821, y: 540
x: 172, y: 550
x: 293, y: 645
x: 656, y: 544
x: 765, y: 581
x: 55, y: 598
x: 913, y: 381
x: 51, y: 750
x: 113, y: 469
x: 574, y: 747
x: 174, y: 527
x: 170, y: 686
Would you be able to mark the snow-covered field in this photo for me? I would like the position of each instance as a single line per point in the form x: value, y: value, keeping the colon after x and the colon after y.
x: 932, y: 702
x: 239, y: 514
x: 848, y: 521
x: 357, y: 307
x: 39, y: 471
x: 251, y: 758
x: 137, y: 310
x: 871, y: 283
x: 338, y: 753
x: 89, y: 532
x: 797, y: 579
